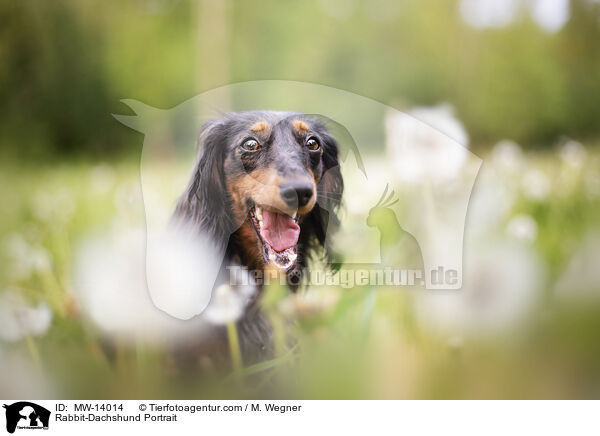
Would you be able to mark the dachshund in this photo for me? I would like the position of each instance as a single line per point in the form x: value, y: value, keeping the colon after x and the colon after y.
x: 266, y: 188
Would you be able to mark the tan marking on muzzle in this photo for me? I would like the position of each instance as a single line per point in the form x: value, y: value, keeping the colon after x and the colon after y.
x: 263, y: 187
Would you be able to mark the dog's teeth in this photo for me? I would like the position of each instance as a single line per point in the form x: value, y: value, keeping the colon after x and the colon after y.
x: 259, y: 213
x: 292, y: 257
x: 295, y: 215
x: 272, y: 257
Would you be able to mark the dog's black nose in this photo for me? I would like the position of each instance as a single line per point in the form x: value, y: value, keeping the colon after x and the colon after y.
x: 296, y: 193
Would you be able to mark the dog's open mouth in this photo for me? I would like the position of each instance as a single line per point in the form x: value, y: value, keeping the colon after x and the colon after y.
x: 278, y: 234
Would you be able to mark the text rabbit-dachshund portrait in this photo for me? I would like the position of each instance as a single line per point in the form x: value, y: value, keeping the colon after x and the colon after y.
x: 265, y: 188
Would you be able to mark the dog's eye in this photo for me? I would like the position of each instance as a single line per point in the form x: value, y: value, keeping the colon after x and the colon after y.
x: 312, y: 144
x: 250, y: 145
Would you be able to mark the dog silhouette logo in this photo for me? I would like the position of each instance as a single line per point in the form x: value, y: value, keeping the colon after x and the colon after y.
x: 26, y: 415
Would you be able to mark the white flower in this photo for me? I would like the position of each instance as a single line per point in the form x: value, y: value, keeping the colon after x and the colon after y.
x: 502, y: 283
x: 489, y: 13
x: 523, y: 228
x: 536, y: 185
x: 426, y: 144
x: 18, y: 319
x: 573, y: 154
x: 19, y: 251
x: 110, y: 285
x: 230, y: 300
x: 102, y: 178
x: 442, y: 119
x: 41, y: 260
x: 550, y: 15
x: 181, y: 269
x: 25, y: 259
x: 507, y: 156
x: 111, y: 273
x: 225, y: 306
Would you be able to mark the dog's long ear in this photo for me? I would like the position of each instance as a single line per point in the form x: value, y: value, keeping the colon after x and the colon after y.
x: 205, y: 204
x: 331, y: 186
x: 323, y: 220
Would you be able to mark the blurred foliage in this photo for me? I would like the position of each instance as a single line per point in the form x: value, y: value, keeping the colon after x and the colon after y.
x: 363, y: 342
x: 66, y: 65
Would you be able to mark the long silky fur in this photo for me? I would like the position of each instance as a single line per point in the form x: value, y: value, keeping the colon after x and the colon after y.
x: 202, y: 206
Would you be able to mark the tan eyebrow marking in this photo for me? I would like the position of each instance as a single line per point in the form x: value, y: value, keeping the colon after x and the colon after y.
x: 260, y: 127
x: 300, y: 125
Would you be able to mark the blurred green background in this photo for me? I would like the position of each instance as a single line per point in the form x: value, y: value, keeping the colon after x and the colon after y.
x: 66, y: 64
x: 69, y: 171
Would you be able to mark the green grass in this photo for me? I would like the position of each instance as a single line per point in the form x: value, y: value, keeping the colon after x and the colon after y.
x: 350, y: 343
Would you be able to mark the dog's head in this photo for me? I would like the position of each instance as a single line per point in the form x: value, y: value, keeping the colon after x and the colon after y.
x: 272, y: 180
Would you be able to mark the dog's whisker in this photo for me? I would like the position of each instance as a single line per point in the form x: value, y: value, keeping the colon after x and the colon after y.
x: 331, y: 194
x: 325, y: 197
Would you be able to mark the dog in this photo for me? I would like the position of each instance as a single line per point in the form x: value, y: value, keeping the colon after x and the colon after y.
x: 266, y: 188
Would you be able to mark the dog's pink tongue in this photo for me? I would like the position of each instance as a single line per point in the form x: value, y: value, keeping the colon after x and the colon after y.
x: 279, y: 231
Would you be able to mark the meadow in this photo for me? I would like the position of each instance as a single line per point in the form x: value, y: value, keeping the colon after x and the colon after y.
x: 525, y: 325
